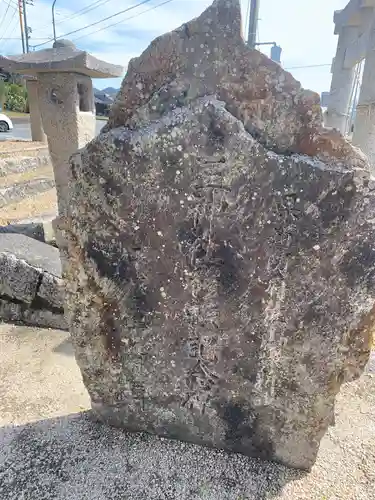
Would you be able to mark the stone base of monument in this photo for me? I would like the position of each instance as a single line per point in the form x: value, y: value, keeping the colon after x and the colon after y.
x: 30, y: 282
x: 229, y: 426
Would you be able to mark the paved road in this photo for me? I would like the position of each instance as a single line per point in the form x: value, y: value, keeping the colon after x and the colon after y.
x: 22, y: 130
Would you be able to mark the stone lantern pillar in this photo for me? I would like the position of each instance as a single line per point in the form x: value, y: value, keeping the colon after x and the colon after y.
x: 63, y: 92
x: 36, y: 124
x: 364, y: 126
x: 342, y: 82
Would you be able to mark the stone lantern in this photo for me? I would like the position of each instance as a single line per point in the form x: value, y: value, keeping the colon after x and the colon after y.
x: 61, y: 101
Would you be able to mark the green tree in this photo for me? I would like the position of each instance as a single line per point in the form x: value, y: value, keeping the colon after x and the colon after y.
x: 16, y: 97
x: 3, y: 93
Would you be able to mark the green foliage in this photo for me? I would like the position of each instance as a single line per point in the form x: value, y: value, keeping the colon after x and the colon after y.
x: 16, y: 97
x: 3, y: 93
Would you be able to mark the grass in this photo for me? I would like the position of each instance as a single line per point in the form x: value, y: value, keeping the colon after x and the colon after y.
x: 15, y: 114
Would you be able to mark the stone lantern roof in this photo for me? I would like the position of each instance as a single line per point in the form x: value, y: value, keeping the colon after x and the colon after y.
x: 62, y: 57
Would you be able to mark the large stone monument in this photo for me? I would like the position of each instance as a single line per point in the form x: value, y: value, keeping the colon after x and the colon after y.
x: 220, y: 263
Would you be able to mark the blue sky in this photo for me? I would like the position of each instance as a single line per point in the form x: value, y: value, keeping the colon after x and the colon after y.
x: 303, y: 28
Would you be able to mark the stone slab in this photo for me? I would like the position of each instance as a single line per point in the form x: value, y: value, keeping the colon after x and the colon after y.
x: 35, y: 253
x: 34, y: 230
x: 11, y: 312
x: 40, y: 230
x: 30, y: 288
x: 18, y: 279
x: 51, y: 290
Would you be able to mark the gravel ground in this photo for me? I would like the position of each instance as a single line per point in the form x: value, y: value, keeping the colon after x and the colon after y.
x: 67, y: 456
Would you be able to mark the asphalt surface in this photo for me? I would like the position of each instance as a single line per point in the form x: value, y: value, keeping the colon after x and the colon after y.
x: 22, y: 130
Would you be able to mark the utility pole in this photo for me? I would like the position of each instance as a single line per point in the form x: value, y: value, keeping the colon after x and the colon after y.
x: 21, y: 25
x: 253, y: 23
x: 26, y: 28
x: 53, y: 20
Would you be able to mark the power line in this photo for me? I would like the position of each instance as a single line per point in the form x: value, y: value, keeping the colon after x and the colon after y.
x: 11, y: 28
x: 310, y: 66
x: 97, y: 22
x: 18, y: 38
x: 122, y: 20
x: 5, y: 15
x: 79, y: 13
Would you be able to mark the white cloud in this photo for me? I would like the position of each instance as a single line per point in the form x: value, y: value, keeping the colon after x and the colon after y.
x: 304, y: 29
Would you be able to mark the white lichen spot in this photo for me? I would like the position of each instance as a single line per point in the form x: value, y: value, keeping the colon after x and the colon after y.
x: 316, y: 248
x: 139, y: 86
x: 159, y: 233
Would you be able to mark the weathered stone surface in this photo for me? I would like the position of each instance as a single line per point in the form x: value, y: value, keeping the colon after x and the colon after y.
x: 31, y: 288
x: 44, y: 318
x: 18, y: 280
x: 11, y: 312
x: 51, y: 290
x: 220, y: 281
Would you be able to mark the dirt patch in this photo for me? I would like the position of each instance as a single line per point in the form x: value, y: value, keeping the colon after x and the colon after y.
x: 42, y: 172
x: 21, y: 148
x: 36, y: 207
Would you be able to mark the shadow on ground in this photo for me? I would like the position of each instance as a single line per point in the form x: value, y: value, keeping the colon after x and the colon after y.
x: 76, y: 458
x: 65, y: 347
